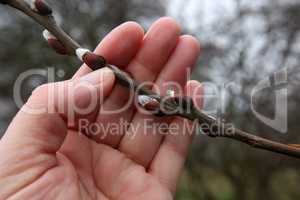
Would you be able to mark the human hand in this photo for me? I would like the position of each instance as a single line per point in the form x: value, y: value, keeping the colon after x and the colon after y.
x: 48, y: 156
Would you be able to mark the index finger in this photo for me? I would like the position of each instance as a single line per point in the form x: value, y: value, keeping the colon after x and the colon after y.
x: 118, y: 47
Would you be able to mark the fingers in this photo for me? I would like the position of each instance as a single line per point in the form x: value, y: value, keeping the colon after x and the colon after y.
x: 158, y: 45
x: 119, y: 46
x: 142, y: 143
x: 117, y: 170
x: 82, y: 97
x: 156, y: 48
x: 169, y: 160
x: 42, y: 123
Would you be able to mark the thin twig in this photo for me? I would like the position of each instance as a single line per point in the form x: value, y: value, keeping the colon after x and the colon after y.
x: 187, y: 109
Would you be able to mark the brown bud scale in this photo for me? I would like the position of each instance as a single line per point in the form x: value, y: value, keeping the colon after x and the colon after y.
x: 57, y: 46
x: 42, y: 7
x: 94, y: 61
x: 152, y: 106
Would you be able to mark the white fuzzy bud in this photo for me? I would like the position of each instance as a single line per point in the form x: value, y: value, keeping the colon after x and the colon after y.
x: 147, y: 102
x: 80, y: 52
x: 171, y: 93
x: 39, y: 6
x: 143, y: 100
x: 47, y: 35
x: 31, y: 4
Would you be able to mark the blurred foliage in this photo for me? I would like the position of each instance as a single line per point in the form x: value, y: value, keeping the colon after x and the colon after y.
x: 243, y: 42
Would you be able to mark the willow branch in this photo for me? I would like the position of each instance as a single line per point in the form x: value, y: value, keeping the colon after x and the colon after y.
x: 180, y: 106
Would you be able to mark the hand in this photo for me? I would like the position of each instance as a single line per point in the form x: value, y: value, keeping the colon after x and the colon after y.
x: 48, y: 156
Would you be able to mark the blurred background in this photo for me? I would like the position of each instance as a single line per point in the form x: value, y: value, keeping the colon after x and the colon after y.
x: 243, y: 42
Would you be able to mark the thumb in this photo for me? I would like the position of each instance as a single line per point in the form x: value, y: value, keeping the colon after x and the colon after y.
x: 43, y: 121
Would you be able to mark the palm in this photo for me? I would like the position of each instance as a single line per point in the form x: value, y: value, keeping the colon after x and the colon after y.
x: 58, y: 163
x: 101, y: 172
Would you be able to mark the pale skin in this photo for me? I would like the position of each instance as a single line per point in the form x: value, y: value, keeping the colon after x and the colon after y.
x: 42, y: 157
